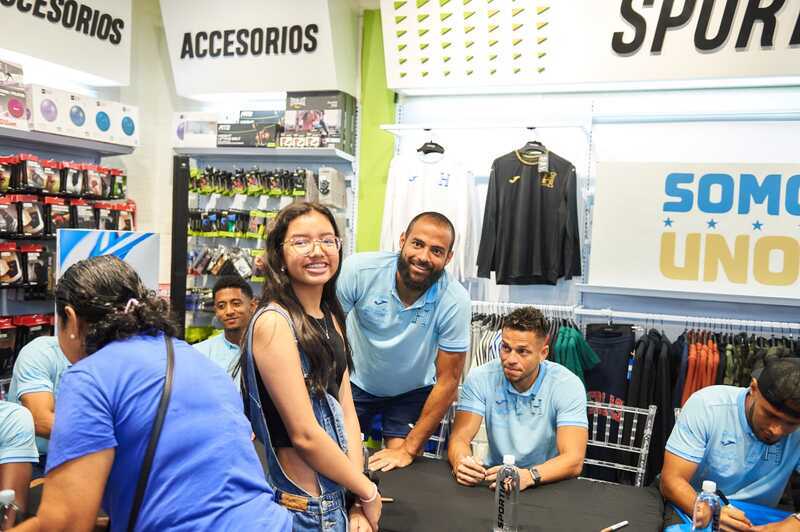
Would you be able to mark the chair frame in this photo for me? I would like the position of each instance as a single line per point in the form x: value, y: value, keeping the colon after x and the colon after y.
x: 593, y: 413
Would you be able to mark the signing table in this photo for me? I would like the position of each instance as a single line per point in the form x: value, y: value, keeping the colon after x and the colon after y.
x: 427, y: 499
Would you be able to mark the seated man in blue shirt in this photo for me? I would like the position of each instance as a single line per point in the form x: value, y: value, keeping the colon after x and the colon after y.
x: 534, y: 409
x: 408, y: 326
x: 744, y: 439
x: 34, y: 385
x: 233, y: 306
x: 17, y: 453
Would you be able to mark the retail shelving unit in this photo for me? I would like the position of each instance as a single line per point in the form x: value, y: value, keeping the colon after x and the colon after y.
x: 229, y: 159
x: 13, y: 300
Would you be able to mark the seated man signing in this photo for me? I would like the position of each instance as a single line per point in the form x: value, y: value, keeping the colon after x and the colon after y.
x: 744, y: 439
x: 534, y: 409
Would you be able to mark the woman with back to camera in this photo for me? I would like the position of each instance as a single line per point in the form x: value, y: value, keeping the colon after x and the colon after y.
x: 205, y: 474
x: 297, y: 363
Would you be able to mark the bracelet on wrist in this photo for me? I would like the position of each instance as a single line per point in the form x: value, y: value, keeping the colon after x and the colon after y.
x: 371, y: 499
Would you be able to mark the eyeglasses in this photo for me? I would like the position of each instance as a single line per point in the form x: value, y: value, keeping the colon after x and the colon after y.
x: 304, y: 246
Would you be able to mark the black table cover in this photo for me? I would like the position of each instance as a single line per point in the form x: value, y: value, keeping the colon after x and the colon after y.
x: 427, y: 499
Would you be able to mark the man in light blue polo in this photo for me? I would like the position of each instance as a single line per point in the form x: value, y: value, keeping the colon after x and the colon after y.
x: 233, y: 306
x: 34, y: 385
x: 408, y: 326
x: 17, y: 454
x: 744, y: 439
x: 534, y: 409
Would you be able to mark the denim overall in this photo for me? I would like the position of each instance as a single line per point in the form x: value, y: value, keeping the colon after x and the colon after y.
x: 311, y: 514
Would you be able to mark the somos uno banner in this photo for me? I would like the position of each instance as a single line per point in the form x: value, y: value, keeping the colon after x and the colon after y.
x: 729, y: 229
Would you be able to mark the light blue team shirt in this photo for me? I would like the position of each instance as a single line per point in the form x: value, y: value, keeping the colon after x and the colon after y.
x: 17, y: 438
x: 220, y: 351
x: 524, y: 424
x: 38, y: 368
x: 712, y: 431
x: 394, y: 346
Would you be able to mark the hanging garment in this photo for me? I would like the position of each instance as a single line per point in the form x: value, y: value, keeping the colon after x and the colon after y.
x: 415, y: 186
x: 530, y: 231
x: 572, y: 352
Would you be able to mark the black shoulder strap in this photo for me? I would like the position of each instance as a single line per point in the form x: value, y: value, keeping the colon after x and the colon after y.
x: 158, y: 423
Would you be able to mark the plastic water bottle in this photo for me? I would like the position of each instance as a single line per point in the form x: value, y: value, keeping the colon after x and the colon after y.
x: 707, y: 508
x: 506, y: 495
x: 365, y: 451
x: 6, y: 507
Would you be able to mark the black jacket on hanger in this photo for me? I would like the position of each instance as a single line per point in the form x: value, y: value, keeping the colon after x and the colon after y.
x: 530, y: 224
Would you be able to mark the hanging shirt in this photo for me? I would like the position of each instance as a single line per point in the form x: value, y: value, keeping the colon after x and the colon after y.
x: 712, y: 431
x: 38, y: 368
x: 530, y: 231
x: 524, y: 423
x: 220, y: 351
x: 17, y: 439
x: 415, y: 186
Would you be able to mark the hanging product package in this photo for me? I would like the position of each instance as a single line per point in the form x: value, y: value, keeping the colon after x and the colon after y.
x: 36, y: 259
x: 106, y: 182
x: 72, y: 178
x: 106, y: 216
x: 57, y: 214
x: 92, y: 181
x: 52, y: 176
x: 11, y: 273
x: 7, y: 173
x: 219, y: 257
x: 9, y: 216
x: 240, y: 263
x: 259, y: 265
x: 83, y: 215
x: 8, y: 347
x: 125, y: 217
x: 32, y: 326
x: 31, y: 213
x: 119, y: 187
x: 257, y: 227
x: 30, y: 174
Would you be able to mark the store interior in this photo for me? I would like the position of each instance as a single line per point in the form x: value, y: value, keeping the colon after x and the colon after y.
x: 627, y: 168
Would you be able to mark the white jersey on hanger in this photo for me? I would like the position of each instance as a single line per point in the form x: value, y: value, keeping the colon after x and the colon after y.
x: 415, y: 186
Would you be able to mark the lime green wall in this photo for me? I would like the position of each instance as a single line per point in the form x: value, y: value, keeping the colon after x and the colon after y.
x: 377, y: 107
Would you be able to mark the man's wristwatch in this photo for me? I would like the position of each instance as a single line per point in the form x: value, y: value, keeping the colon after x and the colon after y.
x: 535, y: 476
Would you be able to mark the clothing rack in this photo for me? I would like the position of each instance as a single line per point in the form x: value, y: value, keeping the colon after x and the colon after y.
x: 499, y: 307
x: 750, y: 325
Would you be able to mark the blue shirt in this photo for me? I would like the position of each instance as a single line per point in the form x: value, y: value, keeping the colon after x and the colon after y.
x: 38, y: 368
x: 524, y: 424
x: 17, y: 442
x: 220, y: 351
x: 205, y: 475
x: 394, y: 346
x: 712, y: 431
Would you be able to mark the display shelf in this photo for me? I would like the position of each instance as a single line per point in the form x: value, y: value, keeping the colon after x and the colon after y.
x: 689, y: 296
x: 62, y: 142
x: 289, y: 154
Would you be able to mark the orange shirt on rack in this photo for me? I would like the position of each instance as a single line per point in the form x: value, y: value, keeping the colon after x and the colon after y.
x: 691, y: 371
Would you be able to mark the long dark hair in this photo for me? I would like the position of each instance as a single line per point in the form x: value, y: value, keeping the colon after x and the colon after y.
x: 109, y: 297
x: 278, y: 289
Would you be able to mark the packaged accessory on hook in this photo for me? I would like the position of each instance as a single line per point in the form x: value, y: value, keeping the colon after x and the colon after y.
x: 10, y: 265
x: 105, y: 215
x: 37, y: 262
x: 9, y: 216
x: 7, y: 173
x: 126, y: 216
x: 83, y: 215
x: 57, y: 214
x: 119, y: 187
x: 52, y: 176
x: 31, y: 216
x: 92, y: 181
x: 72, y: 178
x: 30, y: 174
x: 8, y: 346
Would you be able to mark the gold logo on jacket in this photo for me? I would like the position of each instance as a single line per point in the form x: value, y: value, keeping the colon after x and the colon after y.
x: 549, y: 179
x: 514, y: 179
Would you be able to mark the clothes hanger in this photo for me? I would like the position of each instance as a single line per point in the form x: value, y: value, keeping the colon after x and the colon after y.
x: 430, y: 146
x: 533, y: 146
